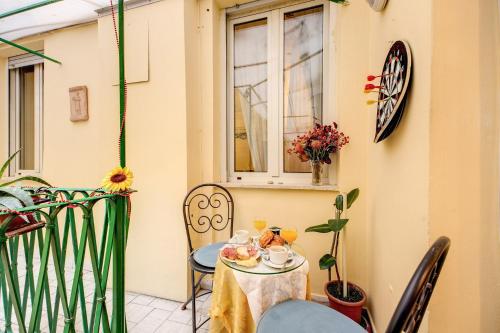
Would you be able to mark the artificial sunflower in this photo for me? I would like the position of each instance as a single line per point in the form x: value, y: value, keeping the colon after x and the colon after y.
x: 118, y: 179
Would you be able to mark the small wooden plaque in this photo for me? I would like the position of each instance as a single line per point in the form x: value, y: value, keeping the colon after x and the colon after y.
x: 78, y: 103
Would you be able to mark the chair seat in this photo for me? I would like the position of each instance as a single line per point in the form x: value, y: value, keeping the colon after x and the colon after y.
x: 301, y: 316
x: 207, y: 255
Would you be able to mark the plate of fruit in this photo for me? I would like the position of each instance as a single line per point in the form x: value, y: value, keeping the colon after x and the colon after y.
x: 244, y: 255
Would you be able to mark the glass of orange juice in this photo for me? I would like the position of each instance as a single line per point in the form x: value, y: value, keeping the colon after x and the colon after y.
x: 289, y: 234
x: 259, y: 225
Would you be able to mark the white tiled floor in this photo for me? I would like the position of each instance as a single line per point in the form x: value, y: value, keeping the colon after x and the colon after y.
x: 145, y: 314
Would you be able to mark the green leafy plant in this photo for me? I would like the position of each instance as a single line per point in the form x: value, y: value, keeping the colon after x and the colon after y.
x: 15, y: 197
x: 335, y: 225
x: 341, y: 2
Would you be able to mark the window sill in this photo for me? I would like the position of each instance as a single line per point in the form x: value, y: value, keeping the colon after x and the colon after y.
x: 303, y: 187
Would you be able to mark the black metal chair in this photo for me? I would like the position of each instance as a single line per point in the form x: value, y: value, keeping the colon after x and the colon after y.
x: 302, y: 316
x: 205, y: 207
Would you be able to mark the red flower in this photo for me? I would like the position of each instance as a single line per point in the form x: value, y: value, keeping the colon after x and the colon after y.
x: 316, y: 144
x: 299, y: 149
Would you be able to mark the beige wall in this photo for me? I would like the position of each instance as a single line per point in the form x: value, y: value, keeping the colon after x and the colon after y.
x: 79, y: 154
x: 437, y: 174
x: 465, y: 156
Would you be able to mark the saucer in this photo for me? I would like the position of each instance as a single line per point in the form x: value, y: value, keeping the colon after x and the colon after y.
x: 267, y: 262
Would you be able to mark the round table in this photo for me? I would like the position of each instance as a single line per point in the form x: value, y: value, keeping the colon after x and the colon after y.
x: 241, y: 294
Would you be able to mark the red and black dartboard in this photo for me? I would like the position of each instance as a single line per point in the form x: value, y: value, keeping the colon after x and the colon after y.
x: 394, y: 85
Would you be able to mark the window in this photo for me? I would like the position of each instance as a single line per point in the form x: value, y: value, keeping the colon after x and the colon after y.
x: 275, y: 66
x: 25, y: 113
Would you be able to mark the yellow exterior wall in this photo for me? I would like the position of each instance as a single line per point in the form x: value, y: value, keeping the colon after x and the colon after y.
x: 464, y: 155
x: 79, y: 154
x: 437, y: 174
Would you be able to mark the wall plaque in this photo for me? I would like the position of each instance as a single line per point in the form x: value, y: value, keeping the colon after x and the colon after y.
x: 78, y: 103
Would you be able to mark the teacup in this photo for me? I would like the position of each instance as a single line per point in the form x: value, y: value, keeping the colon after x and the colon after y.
x: 242, y: 236
x: 278, y: 254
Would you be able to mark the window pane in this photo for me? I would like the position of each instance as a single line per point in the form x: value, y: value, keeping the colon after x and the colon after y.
x: 302, y: 78
x: 27, y: 117
x: 250, y: 96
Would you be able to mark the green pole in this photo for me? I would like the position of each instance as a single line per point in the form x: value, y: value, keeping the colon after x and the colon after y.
x: 29, y: 50
x: 29, y: 7
x: 118, y: 320
x: 121, y: 49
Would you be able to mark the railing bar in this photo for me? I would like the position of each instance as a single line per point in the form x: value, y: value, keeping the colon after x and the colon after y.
x: 6, y: 299
x: 64, y: 247
x: 77, y: 273
x: 36, y: 306
x: 61, y: 282
x: 57, y: 204
x: 26, y: 291
x: 95, y: 265
x: 14, y: 246
x: 48, y: 302
x: 118, y: 325
x: 101, y: 309
x: 81, y: 290
x: 100, y: 259
x: 14, y: 292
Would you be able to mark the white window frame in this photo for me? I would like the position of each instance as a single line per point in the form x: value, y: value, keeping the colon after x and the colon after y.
x: 14, y: 139
x: 275, y: 22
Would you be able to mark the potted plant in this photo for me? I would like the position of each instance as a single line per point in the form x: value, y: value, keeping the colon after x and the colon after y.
x: 13, y: 198
x: 317, y: 145
x: 343, y: 296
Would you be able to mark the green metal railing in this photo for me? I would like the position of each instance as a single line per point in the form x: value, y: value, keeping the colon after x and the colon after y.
x: 54, y: 278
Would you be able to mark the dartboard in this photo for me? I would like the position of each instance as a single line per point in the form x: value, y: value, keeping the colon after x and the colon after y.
x: 394, y: 83
x: 377, y: 5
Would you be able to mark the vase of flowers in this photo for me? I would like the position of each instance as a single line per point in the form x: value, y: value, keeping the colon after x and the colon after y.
x: 316, y: 170
x: 317, y: 145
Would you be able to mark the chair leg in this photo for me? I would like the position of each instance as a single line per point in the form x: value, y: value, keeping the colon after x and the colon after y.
x: 193, y: 301
x: 197, y: 289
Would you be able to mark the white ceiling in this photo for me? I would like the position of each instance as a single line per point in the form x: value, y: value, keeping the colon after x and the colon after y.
x: 49, y: 17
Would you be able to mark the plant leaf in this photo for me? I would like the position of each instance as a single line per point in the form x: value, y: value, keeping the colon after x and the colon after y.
x: 337, y: 225
x: 339, y: 202
x: 7, y: 163
x: 18, y: 193
x: 321, y: 228
x: 12, y: 203
x: 30, y: 178
x: 352, y: 196
x: 327, y: 261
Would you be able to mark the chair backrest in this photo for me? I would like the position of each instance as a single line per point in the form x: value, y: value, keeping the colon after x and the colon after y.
x: 413, y: 303
x: 205, y: 207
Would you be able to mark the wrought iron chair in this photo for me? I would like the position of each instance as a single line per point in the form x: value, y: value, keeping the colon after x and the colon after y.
x: 302, y: 316
x: 205, y: 207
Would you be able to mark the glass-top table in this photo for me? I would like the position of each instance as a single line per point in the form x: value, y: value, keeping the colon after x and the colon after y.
x: 263, y: 269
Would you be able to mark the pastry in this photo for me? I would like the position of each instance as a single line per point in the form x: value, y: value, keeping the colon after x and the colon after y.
x: 266, y: 238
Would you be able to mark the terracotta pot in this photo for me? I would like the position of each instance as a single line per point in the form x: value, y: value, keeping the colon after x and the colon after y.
x: 349, y: 309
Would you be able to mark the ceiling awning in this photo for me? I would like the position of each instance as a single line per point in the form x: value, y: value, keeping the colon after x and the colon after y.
x: 52, y: 16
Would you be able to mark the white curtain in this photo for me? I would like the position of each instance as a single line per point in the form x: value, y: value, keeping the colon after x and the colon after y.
x: 255, y: 125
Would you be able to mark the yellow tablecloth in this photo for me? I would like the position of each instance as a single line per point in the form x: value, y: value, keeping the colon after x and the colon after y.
x: 229, y: 311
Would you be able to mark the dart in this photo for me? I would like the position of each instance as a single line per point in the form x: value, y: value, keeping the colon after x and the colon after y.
x: 371, y: 101
x: 373, y: 77
x: 370, y: 86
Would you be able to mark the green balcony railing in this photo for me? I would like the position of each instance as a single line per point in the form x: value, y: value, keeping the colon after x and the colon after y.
x: 55, y: 271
